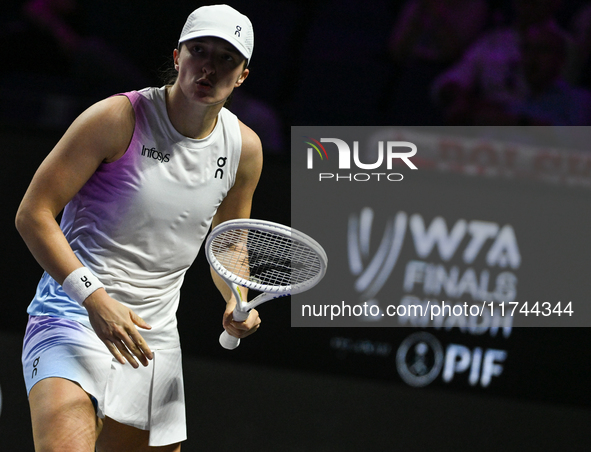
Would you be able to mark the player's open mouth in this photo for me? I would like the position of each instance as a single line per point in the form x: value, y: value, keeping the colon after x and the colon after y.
x: 203, y: 82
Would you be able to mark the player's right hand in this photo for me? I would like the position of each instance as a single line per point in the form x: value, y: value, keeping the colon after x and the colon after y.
x: 115, y: 325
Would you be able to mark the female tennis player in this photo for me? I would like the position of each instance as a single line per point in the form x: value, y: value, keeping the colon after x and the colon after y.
x: 140, y: 177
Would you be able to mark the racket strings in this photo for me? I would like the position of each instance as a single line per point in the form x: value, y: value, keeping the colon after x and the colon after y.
x: 266, y: 258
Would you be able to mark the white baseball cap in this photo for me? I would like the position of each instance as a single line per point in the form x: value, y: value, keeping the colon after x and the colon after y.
x: 221, y: 21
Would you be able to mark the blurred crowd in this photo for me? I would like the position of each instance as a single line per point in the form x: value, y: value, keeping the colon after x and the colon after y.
x: 467, y: 64
x: 329, y: 62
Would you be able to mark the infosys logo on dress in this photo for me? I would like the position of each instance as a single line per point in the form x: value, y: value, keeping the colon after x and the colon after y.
x: 154, y: 154
x: 386, y: 153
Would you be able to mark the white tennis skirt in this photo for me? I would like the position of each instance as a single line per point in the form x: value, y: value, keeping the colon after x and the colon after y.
x: 149, y: 398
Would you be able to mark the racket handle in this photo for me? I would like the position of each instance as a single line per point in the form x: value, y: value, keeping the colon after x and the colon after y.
x: 231, y: 342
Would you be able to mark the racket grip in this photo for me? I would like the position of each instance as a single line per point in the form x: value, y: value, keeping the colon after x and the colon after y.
x: 231, y: 342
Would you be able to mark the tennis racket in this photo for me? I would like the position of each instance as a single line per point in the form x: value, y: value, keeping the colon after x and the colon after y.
x: 263, y: 256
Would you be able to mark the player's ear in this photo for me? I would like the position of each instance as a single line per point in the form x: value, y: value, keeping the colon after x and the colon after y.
x: 175, y: 57
x: 242, y: 77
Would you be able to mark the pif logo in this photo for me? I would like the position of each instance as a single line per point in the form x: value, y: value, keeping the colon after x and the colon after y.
x: 386, y: 153
x: 420, y: 359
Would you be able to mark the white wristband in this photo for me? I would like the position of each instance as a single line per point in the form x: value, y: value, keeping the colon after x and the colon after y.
x: 80, y: 284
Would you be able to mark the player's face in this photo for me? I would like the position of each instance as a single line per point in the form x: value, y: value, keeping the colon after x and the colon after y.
x: 209, y: 69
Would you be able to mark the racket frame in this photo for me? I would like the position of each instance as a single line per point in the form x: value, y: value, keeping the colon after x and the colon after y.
x: 268, y: 292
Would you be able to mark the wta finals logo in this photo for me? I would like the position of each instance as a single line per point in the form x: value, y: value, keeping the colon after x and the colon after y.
x: 472, y: 260
x: 372, y: 276
x: 318, y: 150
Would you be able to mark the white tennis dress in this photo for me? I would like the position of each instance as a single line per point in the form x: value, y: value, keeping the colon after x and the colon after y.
x: 138, y: 224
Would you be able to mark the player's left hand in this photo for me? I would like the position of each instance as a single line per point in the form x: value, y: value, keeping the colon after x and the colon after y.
x: 240, y: 329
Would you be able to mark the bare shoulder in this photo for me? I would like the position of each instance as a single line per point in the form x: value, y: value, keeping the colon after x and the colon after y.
x: 251, y: 157
x: 111, y: 122
x: 99, y: 134
x: 109, y: 111
x: 251, y: 143
x: 108, y: 124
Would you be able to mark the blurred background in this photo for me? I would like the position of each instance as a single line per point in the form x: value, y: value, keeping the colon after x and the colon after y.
x: 322, y: 63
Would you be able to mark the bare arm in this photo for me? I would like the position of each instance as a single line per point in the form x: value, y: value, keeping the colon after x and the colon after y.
x: 94, y: 137
x: 237, y: 204
x: 100, y: 134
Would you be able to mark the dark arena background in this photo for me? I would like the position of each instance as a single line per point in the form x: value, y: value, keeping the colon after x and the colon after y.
x: 324, y: 63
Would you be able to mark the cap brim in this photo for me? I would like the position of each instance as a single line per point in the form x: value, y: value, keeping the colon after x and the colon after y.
x: 217, y: 34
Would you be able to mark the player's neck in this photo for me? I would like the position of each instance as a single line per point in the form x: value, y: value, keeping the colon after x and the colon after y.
x: 189, y: 118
